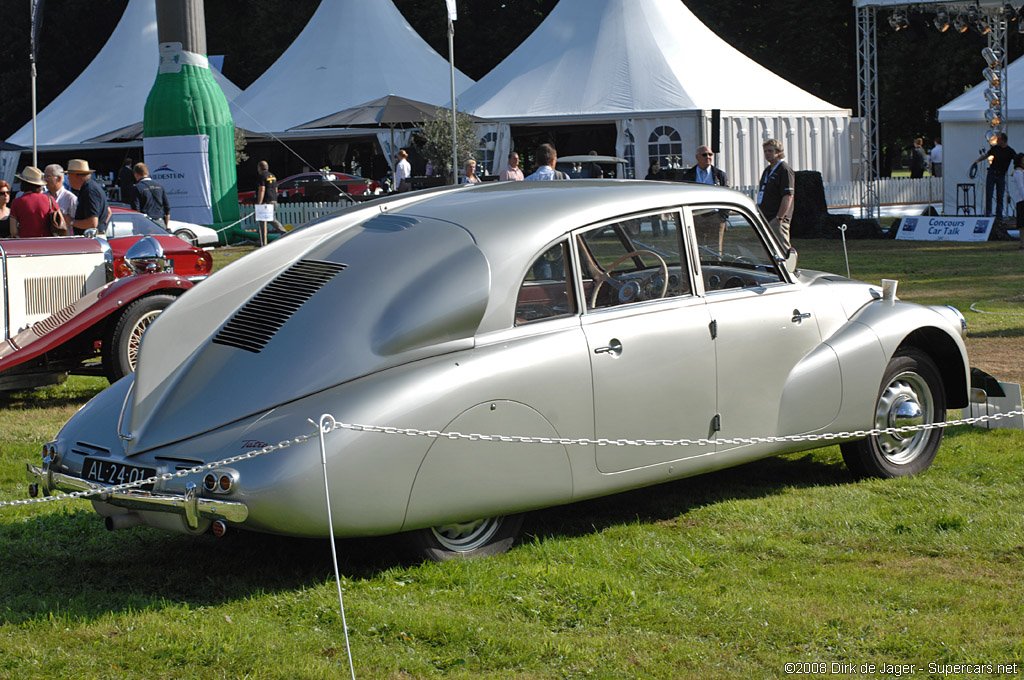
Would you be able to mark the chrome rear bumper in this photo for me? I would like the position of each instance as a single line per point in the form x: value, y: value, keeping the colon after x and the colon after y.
x: 188, y: 505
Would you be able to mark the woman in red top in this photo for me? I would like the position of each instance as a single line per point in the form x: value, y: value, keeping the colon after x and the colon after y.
x: 28, y: 212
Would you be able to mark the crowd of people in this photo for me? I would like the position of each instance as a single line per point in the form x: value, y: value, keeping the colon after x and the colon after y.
x: 55, y: 202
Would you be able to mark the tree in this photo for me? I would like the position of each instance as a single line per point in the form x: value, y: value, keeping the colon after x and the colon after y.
x: 435, y: 139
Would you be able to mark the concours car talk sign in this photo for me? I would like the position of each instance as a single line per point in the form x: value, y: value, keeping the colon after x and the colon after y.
x: 957, y: 228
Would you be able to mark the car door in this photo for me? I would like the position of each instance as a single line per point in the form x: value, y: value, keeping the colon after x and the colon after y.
x: 774, y: 375
x: 651, y: 352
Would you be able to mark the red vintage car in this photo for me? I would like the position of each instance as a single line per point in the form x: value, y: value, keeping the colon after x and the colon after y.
x: 64, y: 311
x: 127, y: 226
x: 316, y: 186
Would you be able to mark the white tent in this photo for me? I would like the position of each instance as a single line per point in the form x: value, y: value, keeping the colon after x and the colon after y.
x: 350, y: 52
x: 111, y: 92
x: 656, y: 72
x: 965, y: 137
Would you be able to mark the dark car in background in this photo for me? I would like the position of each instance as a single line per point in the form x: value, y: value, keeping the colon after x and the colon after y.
x: 317, y: 186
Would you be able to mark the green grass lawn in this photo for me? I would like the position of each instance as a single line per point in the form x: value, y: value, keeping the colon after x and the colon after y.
x: 728, y: 575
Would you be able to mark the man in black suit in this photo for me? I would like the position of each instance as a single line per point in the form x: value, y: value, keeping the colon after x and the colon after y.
x: 149, y: 197
x: 710, y: 227
x: 704, y: 172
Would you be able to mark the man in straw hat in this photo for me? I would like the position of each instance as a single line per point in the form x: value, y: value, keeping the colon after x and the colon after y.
x: 29, y: 210
x: 93, y: 211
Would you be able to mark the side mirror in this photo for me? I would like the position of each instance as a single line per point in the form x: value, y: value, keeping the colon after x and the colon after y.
x: 91, y: 233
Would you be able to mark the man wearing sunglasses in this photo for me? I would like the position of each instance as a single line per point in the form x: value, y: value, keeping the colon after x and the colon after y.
x: 704, y: 172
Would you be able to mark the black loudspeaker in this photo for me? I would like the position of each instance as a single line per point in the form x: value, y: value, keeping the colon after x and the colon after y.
x: 716, y: 129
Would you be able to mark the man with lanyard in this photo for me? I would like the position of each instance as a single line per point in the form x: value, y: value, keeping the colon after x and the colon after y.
x: 93, y: 211
x: 775, y: 191
x: 704, y: 172
x: 1000, y: 156
x: 149, y: 197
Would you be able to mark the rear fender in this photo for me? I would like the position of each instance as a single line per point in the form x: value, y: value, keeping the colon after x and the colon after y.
x: 87, y: 312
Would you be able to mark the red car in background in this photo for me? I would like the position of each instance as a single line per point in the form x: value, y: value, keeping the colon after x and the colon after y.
x: 128, y: 226
x: 322, y: 186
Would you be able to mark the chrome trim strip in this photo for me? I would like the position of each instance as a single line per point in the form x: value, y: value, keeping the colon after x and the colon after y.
x: 230, y: 511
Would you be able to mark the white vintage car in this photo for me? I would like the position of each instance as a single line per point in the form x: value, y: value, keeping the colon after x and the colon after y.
x: 579, y: 312
x: 65, y: 312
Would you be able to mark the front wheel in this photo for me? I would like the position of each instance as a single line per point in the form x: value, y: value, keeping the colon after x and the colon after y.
x: 911, y: 394
x: 474, y: 538
x: 121, y: 344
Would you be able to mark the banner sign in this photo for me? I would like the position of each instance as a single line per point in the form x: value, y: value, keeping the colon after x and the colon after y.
x: 181, y: 164
x: 957, y: 228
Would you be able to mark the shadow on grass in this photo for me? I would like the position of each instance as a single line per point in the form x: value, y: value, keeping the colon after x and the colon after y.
x: 757, y: 479
x: 66, y: 563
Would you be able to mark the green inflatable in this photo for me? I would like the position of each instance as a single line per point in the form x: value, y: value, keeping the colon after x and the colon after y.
x: 189, y: 137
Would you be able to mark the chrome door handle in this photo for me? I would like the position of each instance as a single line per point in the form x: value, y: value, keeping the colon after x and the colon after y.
x: 798, y: 317
x: 614, y: 348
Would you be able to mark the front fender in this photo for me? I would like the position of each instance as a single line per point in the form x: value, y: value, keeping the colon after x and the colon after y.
x: 85, y: 313
x: 929, y: 329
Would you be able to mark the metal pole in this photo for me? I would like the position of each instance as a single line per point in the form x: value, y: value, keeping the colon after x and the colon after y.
x: 35, y: 160
x: 451, y: 63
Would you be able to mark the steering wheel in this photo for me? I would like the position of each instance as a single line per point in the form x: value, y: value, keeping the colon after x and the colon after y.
x: 631, y: 290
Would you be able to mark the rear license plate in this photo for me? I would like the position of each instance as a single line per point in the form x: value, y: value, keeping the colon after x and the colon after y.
x: 111, y: 473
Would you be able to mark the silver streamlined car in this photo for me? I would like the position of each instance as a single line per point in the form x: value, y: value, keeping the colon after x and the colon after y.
x: 579, y: 310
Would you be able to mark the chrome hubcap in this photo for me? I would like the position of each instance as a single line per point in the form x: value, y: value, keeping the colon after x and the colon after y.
x: 466, y: 536
x: 906, y: 401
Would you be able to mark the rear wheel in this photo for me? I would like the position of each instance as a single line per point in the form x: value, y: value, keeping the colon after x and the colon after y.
x: 121, y: 344
x: 187, y: 236
x: 911, y: 394
x: 474, y: 538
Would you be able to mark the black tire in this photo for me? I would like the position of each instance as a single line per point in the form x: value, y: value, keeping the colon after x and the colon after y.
x: 458, y: 540
x: 911, y: 393
x: 188, y: 237
x: 121, y: 344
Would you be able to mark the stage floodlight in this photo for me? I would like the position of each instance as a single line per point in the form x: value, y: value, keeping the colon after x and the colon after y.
x: 992, y: 116
x: 991, y: 57
x: 941, y: 22
x: 1011, y: 15
x: 992, y: 76
x: 898, y: 21
x: 960, y: 23
x: 982, y: 26
x: 993, y: 97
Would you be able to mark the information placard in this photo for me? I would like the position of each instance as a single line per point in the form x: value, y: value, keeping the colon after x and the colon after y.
x: 939, y: 228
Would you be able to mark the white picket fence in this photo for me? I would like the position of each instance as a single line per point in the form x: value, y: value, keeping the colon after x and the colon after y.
x: 293, y: 214
x: 891, y: 191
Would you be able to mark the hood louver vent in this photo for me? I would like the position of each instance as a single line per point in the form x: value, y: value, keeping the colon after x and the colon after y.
x: 253, y: 326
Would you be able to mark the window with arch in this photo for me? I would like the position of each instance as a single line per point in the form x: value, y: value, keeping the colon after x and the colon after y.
x: 665, y: 145
x: 485, y: 152
x: 629, y: 153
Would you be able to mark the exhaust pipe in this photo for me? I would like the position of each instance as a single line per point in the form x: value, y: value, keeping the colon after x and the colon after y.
x: 125, y: 520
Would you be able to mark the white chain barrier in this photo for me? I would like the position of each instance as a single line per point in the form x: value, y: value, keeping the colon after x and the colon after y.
x: 329, y: 423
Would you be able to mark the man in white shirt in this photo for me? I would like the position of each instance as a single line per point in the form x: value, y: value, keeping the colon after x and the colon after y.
x: 546, y: 158
x: 53, y: 176
x: 402, y: 168
x: 935, y: 158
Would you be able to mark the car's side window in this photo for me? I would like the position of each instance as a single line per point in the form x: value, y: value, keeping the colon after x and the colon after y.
x: 732, y: 252
x: 545, y: 293
x: 633, y: 260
